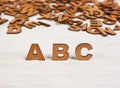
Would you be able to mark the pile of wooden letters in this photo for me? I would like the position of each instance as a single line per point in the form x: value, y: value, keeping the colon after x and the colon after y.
x: 73, y: 13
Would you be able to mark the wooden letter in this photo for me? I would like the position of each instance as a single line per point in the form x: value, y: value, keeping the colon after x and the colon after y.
x: 96, y: 23
x: 107, y: 31
x: 32, y: 55
x: 57, y: 52
x: 14, y: 29
x: 78, y: 51
x: 93, y: 30
x: 117, y: 28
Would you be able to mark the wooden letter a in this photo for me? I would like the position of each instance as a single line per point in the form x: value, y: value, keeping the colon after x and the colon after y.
x: 35, y: 55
